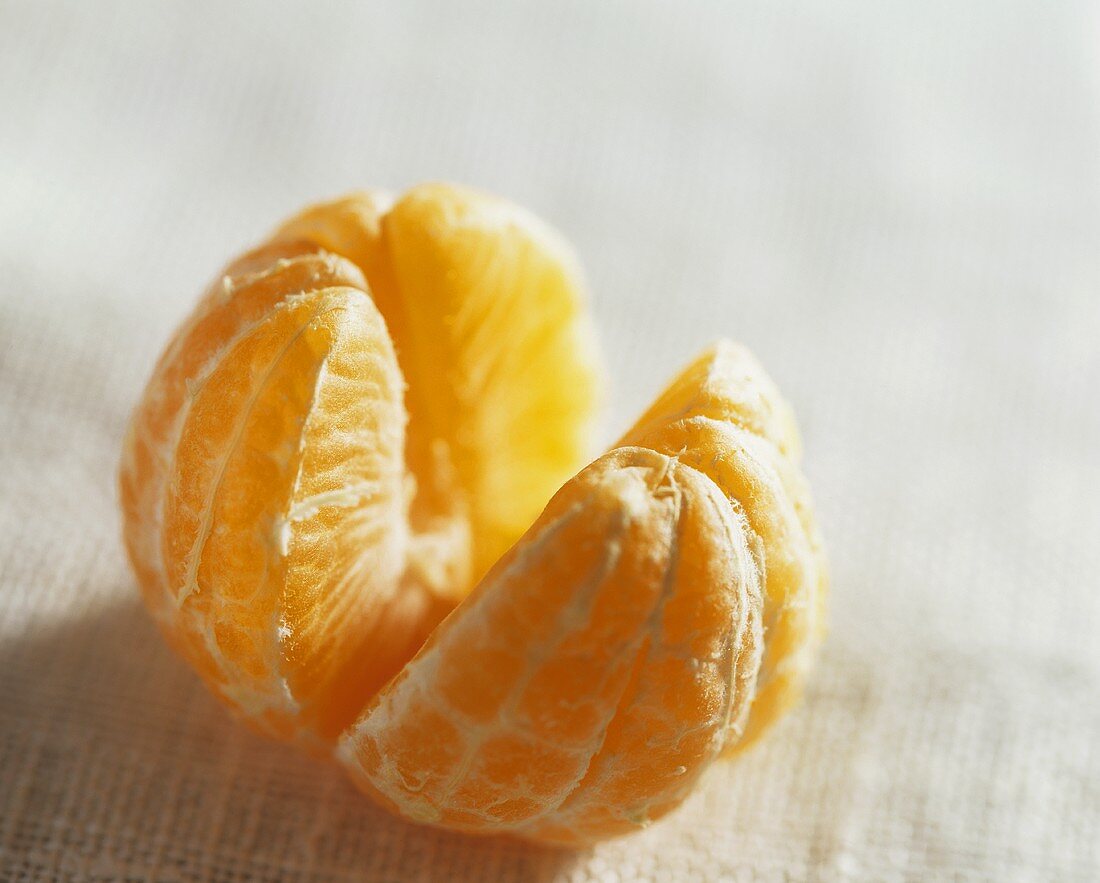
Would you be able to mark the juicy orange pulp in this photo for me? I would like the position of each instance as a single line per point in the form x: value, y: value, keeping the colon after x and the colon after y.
x: 350, y: 438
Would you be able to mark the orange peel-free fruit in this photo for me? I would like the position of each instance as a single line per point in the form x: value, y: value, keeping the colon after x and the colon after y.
x: 331, y: 492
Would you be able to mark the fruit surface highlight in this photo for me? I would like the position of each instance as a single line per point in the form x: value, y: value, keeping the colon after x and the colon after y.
x: 331, y: 492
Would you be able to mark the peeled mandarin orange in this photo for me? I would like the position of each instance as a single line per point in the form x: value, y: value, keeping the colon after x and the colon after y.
x: 331, y: 492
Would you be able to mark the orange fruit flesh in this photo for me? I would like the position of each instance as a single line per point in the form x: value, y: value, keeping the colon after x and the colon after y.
x: 483, y: 304
x: 302, y: 505
x: 348, y: 440
x: 590, y: 679
x: 702, y: 511
x: 725, y: 417
x: 279, y: 499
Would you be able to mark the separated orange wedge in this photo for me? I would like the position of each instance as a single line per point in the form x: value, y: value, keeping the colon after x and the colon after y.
x: 331, y: 493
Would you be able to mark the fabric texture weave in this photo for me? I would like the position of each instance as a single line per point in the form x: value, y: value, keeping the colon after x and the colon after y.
x: 895, y: 205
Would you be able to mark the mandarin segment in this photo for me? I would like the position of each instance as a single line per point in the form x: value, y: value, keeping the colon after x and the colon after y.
x: 642, y: 597
x: 237, y: 535
x: 727, y: 384
x: 245, y: 293
x: 485, y: 307
x: 692, y: 675
x: 328, y: 491
x: 726, y: 419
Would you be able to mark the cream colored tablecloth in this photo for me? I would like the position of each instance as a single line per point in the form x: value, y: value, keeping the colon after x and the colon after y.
x: 897, y: 205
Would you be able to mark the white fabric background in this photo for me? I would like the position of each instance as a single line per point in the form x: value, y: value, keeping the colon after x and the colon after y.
x: 896, y: 205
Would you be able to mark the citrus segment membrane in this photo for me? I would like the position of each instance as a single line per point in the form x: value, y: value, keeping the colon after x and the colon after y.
x: 724, y: 417
x: 328, y: 491
x: 485, y: 306
x: 299, y: 513
x: 278, y: 479
x: 588, y: 681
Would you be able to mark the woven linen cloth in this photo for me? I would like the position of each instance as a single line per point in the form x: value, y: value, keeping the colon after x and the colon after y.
x: 895, y: 205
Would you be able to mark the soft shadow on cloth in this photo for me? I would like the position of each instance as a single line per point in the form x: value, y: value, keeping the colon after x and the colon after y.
x: 115, y: 762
